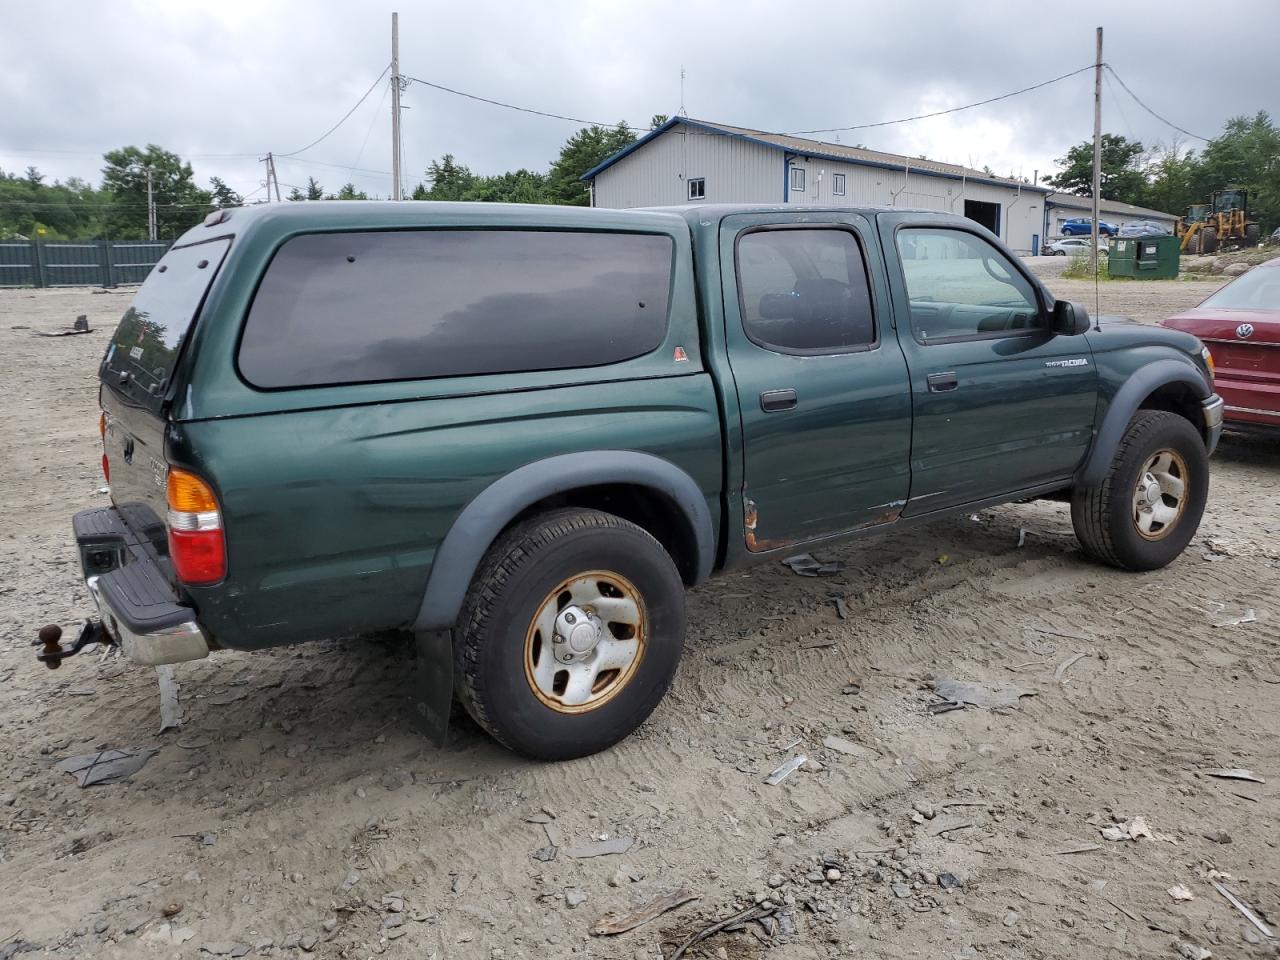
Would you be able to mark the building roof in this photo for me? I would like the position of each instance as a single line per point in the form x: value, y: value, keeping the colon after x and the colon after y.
x: 1073, y: 202
x: 803, y: 147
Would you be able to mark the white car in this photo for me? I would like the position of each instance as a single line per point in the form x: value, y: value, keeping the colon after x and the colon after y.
x: 1074, y: 246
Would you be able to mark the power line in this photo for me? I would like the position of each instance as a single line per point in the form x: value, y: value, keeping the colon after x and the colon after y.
x: 336, y: 166
x: 1169, y: 123
x: 512, y: 106
x: 344, y: 116
x: 939, y: 113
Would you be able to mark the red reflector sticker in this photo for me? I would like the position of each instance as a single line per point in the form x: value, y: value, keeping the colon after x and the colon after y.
x: 681, y: 356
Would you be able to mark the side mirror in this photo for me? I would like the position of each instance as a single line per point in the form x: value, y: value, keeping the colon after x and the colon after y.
x: 1069, y: 319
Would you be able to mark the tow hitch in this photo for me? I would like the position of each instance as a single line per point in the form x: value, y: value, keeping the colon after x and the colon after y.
x: 54, y: 652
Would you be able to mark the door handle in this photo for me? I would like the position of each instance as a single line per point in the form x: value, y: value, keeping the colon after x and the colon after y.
x: 942, y: 382
x: 772, y: 401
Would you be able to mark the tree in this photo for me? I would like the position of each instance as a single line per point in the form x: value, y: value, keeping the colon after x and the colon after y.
x: 1121, y: 176
x: 223, y: 196
x: 314, y: 190
x: 32, y: 209
x: 587, y: 148
x: 1170, y: 171
x: 1246, y: 155
x: 449, y: 179
x: 657, y: 120
x: 295, y: 195
x: 349, y: 192
x: 179, y: 202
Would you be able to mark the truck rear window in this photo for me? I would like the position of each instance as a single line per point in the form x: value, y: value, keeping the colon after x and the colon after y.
x: 145, y: 348
x: 403, y: 305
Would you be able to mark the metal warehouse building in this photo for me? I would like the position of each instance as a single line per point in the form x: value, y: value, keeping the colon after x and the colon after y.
x: 686, y: 161
x: 1061, y: 207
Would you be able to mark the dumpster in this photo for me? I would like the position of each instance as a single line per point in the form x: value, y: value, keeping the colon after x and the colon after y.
x: 1144, y: 258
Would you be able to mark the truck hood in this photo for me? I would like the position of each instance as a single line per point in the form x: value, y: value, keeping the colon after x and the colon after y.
x: 1121, y: 333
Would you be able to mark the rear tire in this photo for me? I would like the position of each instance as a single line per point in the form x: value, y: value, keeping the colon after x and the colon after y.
x: 507, y: 656
x: 1148, y: 507
x: 1252, y: 233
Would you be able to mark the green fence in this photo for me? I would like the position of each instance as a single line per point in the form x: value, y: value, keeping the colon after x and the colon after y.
x: 97, y: 263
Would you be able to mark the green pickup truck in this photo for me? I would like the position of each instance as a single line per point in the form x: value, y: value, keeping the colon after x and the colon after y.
x: 520, y: 432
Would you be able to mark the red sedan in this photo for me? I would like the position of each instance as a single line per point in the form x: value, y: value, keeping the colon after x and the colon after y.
x: 1240, y: 324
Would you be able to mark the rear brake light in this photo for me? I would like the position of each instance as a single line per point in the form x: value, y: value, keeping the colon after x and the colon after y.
x: 196, y: 544
x: 106, y: 468
x: 102, y: 431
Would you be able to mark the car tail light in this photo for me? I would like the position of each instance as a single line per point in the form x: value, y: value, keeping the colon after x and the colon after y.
x: 102, y: 432
x: 196, y: 544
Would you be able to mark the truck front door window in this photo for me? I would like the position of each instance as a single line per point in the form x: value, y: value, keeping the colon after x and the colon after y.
x: 961, y: 286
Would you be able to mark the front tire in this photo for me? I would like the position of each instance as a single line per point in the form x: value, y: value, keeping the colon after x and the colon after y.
x: 1148, y: 507
x: 570, y: 634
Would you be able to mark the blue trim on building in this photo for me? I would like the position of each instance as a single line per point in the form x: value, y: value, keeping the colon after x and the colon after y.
x: 834, y: 158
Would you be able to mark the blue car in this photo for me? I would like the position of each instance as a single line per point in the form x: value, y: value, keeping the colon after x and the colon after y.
x: 1083, y: 226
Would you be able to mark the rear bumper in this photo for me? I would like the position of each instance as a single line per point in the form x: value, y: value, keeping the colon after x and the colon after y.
x: 1213, y: 408
x: 134, y: 594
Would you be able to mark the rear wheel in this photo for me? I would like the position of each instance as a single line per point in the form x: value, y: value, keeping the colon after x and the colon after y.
x: 1252, y: 233
x: 1148, y: 507
x: 570, y: 634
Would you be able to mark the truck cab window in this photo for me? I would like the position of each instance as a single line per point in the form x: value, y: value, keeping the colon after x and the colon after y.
x: 805, y: 291
x: 961, y: 286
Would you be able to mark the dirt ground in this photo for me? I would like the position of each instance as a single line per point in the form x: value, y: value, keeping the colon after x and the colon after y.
x: 296, y: 797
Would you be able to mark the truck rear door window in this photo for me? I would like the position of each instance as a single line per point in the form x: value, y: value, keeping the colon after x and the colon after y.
x: 146, y: 344
x: 403, y: 305
x: 805, y: 290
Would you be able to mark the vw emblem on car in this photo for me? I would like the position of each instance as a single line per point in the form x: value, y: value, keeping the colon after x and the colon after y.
x: 1244, y: 331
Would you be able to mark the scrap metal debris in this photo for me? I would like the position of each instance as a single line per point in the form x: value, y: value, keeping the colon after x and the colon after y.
x: 1234, y: 774
x: 842, y: 611
x: 963, y: 691
x: 1239, y: 905
x: 1130, y: 829
x: 170, y: 708
x: 80, y: 326
x: 849, y: 748
x: 105, y: 766
x: 1247, y: 617
x: 786, y: 769
x: 1180, y: 893
x: 612, y: 924
x: 805, y: 565
x: 599, y: 848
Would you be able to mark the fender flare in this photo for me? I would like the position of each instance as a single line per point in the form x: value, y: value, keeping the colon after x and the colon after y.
x: 481, y: 521
x: 1140, y: 385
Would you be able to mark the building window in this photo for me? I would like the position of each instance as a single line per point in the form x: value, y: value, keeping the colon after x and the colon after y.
x: 697, y: 188
x: 837, y: 184
x: 797, y: 179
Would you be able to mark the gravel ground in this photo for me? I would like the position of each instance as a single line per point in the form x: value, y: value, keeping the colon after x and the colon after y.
x: 296, y: 812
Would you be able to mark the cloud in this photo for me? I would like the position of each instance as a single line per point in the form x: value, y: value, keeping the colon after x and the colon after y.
x: 244, y: 78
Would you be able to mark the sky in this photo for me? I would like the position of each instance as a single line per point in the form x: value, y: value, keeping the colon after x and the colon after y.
x: 222, y: 84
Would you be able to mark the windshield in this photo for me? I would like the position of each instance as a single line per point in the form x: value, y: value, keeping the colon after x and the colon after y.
x: 145, y: 348
x: 1259, y: 289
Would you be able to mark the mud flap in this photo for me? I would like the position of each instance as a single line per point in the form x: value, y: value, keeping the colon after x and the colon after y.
x: 432, y: 694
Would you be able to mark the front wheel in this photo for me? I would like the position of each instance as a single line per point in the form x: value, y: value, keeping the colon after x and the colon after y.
x: 1148, y: 507
x: 570, y: 634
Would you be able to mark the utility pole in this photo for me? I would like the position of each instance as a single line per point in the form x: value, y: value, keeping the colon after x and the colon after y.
x: 395, y: 106
x: 272, y: 179
x: 1097, y: 153
x: 151, y: 207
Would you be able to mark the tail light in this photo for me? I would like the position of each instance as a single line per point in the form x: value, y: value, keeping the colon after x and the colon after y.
x: 196, y: 544
x: 102, y: 432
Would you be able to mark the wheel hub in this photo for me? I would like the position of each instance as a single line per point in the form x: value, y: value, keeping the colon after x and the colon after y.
x: 585, y: 641
x: 1160, y: 494
x: 576, y: 634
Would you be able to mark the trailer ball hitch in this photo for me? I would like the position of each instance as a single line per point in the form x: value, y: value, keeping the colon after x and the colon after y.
x: 53, y: 652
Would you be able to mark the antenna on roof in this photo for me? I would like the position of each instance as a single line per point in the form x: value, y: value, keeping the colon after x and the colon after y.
x: 683, y: 111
